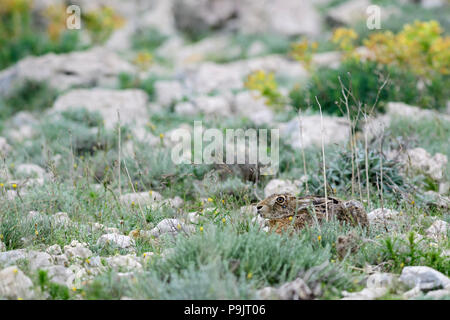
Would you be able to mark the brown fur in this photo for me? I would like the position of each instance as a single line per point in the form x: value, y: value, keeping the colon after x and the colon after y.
x: 308, y: 210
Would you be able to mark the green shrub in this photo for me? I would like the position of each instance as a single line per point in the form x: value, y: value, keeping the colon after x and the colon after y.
x: 339, y: 172
x: 129, y: 81
x: 20, y: 35
x: 148, y: 39
x: 365, y: 80
x: 30, y: 96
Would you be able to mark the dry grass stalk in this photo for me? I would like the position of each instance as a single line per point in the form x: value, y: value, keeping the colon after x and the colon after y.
x: 305, y: 172
x: 323, y: 161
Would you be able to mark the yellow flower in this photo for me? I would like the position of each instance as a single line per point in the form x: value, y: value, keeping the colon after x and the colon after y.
x: 290, y: 218
x: 402, y: 265
x: 412, y: 202
x: 345, y: 38
x: 223, y: 201
x: 265, y: 84
x: 178, y: 226
x: 87, y: 261
x: 14, y: 186
x: 201, y: 228
x: 161, y: 135
x: 15, y: 271
x: 210, y: 200
x: 132, y: 203
x: 224, y: 220
x: 19, y: 298
x: 74, y: 289
x: 249, y: 275
x: 36, y: 232
x: 75, y: 166
x: 1, y: 185
x: 143, y: 60
x: 303, y: 51
x: 319, y: 238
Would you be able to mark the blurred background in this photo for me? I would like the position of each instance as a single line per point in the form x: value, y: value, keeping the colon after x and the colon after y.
x: 87, y: 115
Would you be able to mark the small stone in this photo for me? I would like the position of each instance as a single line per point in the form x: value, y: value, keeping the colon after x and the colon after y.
x: 39, y: 260
x: 268, y: 293
x: 295, y: 290
x: 420, y: 160
x: 61, y: 260
x: 381, y: 280
x: 14, y: 284
x: 425, y: 278
x: 2, y: 247
x: 61, y: 219
x: 54, y: 250
x: 142, y: 198
x: 29, y: 170
x: 439, y: 294
x: 213, y: 105
x: 170, y: 226
x: 36, y: 259
x: 175, y: 202
x: 124, y: 262
x: 253, y: 106
x: 438, y: 200
x: 168, y: 92
x: 100, y: 227
x: 381, y: 215
x: 365, y: 294
x: 119, y: 240
x: 193, y: 217
x: 335, y: 131
x: 438, y: 230
x: 10, y: 257
x: 59, y: 274
x: 99, y: 66
x: 185, y: 108
x: 130, y: 103
x: 77, y: 250
x: 280, y: 186
x: 413, y: 293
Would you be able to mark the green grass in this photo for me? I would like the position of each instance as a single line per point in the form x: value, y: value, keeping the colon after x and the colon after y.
x: 227, y: 256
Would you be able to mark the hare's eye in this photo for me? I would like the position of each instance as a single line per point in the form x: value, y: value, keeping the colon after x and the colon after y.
x: 280, y: 200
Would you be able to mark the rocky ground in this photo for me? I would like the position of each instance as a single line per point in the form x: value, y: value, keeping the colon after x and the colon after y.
x: 74, y: 224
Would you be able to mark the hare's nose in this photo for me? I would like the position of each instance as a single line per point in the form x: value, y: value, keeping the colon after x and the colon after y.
x: 259, y: 207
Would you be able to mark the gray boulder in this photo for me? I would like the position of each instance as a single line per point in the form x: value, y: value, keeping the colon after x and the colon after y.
x: 424, y: 278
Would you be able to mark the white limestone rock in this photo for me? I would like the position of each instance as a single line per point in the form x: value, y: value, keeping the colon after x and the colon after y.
x: 81, y: 68
x: 14, y: 284
x: 117, y: 240
x: 130, y: 103
x: 281, y: 186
